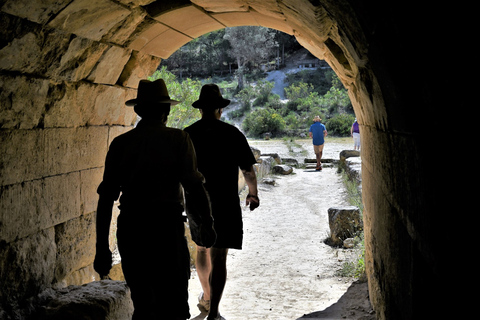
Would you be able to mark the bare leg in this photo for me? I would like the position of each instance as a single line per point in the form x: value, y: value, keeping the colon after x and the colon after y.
x: 204, y: 268
x: 319, y: 157
x: 218, y: 278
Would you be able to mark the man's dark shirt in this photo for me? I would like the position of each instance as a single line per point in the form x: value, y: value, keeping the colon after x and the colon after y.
x: 221, y: 149
x: 148, y: 164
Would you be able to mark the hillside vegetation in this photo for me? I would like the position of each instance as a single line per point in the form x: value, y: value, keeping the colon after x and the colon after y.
x: 222, y: 57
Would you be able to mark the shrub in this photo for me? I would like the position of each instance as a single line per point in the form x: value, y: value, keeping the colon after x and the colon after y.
x: 263, y: 120
x: 340, y: 124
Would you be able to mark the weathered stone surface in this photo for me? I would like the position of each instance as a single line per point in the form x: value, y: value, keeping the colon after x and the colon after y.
x: 264, y: 166
x: 290, y: 162
x: 190, y: 20
x: 344, y: 223
x: 23, y: 102
x: 275, y: 157
x: 139, y: 66
x: 36, y: 11
x: 26, y: 266
x: 282, y: 169
x: 268, y: 181
x: 106, y: 299
x: 75, y: 241
x: 89, y: 19
x: 256, y: 153
x: 344, y: 154
x: 110, y: 65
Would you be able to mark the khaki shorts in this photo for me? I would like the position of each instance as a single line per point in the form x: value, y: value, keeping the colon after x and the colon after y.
x: 318, y: 149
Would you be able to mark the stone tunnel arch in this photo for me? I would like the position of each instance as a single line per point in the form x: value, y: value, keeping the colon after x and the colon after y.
x: 66, y: 68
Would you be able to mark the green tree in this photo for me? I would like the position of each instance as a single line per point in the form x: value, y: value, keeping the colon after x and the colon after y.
x: 250, y: 45
x: 187, y: 91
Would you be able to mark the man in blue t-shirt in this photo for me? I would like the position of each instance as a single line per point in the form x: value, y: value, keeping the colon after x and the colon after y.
x: 318, y: 132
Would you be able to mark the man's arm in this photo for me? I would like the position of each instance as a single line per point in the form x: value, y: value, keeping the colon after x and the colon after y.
x: 103, y: 256
x: 251, y: 180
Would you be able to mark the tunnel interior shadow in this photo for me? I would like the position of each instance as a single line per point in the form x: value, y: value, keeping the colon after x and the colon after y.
x: 353, y: 305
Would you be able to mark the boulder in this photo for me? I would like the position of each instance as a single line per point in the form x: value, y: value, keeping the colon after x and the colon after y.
x: 345, y: 222
x: 256, y: 153
x: 348, y: 154
x: 290, y: 162
x: 268, y: 181
x: 282, y: 169
x: 106, y: 299
x: 275, y: 157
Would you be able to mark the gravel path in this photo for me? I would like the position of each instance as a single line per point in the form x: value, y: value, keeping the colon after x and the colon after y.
x: 285, y: 270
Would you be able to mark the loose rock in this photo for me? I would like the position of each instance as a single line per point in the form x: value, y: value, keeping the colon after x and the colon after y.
x: 282, y: 169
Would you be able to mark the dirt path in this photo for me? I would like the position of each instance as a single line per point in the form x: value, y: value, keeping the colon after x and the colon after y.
x: 285, y: 270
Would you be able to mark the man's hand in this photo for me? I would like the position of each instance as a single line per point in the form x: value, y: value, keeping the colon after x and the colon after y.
x: 103, y: 262
x: 253, y: 201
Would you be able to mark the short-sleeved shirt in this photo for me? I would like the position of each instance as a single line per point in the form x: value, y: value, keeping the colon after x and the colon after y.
x: 356, y: 127
x: 148, y: 165
x: 221, y: 149
x: 317, y: 130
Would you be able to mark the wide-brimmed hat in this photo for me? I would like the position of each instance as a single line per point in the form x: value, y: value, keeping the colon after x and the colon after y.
x: 151, y: 92
x: 210, y: 98
x: 317, y: 118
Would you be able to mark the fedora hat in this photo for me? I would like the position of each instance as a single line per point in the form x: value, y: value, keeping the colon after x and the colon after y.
x: 210, y: 98
x: 151, y: 92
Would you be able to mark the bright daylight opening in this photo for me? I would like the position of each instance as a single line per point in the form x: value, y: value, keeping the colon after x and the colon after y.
x: 291, y: 264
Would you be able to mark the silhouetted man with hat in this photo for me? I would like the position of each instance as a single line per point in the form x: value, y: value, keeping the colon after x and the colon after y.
x: 221, y: 150
x: 148, y: 166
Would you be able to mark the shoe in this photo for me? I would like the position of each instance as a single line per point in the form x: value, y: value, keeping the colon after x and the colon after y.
x: 203, y: 304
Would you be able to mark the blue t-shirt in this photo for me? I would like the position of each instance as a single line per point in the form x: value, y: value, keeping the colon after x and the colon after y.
x: 317, y: 130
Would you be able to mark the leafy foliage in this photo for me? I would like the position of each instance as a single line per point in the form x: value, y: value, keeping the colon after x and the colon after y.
x: 262, y: 121
x: 187, y: 91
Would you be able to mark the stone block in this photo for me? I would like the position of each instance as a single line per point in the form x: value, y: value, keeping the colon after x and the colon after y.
x: 23, y: 102
x: 74, y: 149
x: 85, y: 104
x: 344, y: 223
x: 78, y: 61
x: 190, y: 20
x: 28, y: 48
x: 36, y: 11
x: 31, y: 206
x: 166, y: 43
x: 26, y: 267
x: 140, y: 66
x: 75, y: 241
x: 89, y: 181
x: 234, y: 19
x: 106, y: 299
x: 222, y: 5
x: 110, y: 65
x: 22, y: 156
x: 89, y: 19
x: 146, y: 32
x: 121, y: 33
x: 282, y: 169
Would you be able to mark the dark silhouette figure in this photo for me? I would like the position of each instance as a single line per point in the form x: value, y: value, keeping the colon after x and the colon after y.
x: 221, y: 150
x: 148, y: 166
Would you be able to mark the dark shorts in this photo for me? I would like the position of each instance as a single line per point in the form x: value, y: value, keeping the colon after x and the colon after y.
x: 228, y: 224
